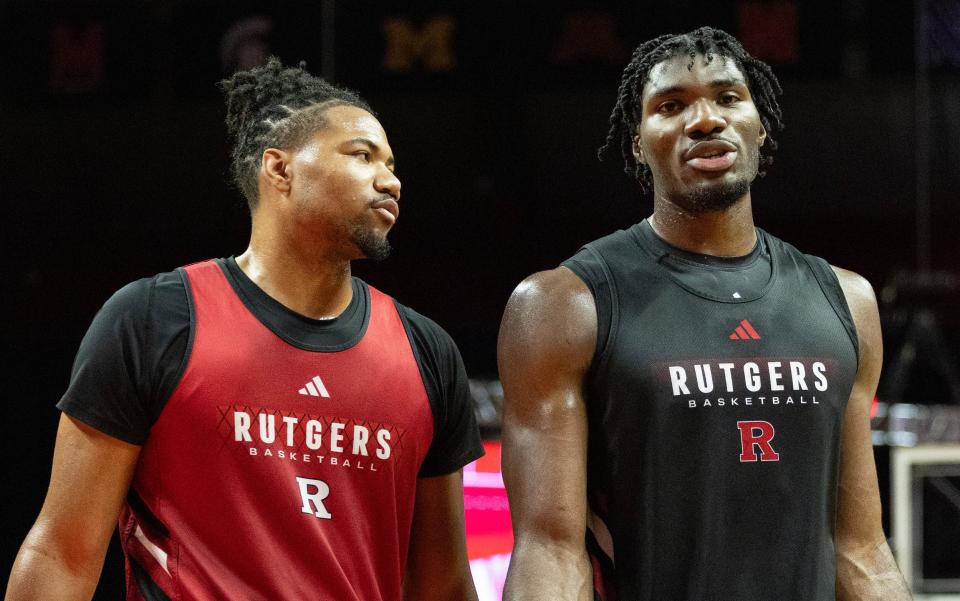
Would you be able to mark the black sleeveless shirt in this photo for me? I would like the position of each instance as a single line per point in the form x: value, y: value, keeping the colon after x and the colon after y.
x: 715, y: 404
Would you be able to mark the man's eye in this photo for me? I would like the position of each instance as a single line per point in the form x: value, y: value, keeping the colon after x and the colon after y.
x: 668, y: 106
x: 729, y: 98
x: 365, y: 155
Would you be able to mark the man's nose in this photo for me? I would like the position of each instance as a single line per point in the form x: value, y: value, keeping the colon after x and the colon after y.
x: 704, y: 119
x: 388, y: 182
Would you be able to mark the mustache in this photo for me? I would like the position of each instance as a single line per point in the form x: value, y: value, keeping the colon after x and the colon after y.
x: 717, y: 138
x: 381, y: 198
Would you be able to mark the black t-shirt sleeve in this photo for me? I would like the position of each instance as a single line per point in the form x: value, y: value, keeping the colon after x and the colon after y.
x: 456, y: 437
x: 131, y: 358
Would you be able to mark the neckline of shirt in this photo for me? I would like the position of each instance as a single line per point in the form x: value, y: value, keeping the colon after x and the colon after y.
x: 664, y: 254
x: 661, y: 247
x: 318, y: 335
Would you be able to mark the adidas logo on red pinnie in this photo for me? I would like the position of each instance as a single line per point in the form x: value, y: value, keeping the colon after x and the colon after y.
x: 315, y: 387
x: 744, y: 331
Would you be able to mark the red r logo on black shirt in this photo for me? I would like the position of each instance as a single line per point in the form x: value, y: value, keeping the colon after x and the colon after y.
x: 753, y: 435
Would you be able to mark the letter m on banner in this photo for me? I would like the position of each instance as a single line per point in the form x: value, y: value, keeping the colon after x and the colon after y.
x: 431, y: 44
x: 756, y: 436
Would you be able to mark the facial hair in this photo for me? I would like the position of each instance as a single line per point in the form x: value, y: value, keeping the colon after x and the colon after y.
x: 374, y: 246
x: 707, y: 199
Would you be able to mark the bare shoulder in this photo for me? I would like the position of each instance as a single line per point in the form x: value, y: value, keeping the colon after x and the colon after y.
x: 552, y: 314
x: 556, y: 288
x: 857, y: 290
x: 555, y: 298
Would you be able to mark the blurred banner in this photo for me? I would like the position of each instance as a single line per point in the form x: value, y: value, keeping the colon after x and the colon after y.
x: 117, y: 50
x: 487, y: 514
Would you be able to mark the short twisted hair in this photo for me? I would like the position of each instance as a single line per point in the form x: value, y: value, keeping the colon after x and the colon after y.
x: 275, y: 107
x: 708, y: 42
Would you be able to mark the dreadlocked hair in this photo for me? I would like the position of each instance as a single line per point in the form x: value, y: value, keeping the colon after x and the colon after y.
x: 275, y: 107
x: 707, y: 42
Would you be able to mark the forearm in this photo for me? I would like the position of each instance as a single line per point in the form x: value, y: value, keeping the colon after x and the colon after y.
x: 869, y: 574
x: 41, y: 573
x: 62, y: 556
x: 546, y: 571
x: 458, y: 587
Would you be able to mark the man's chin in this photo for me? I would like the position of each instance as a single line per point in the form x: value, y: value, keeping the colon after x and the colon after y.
x: 717, y: 195
x: 379, y: 253
x: 372, y: 245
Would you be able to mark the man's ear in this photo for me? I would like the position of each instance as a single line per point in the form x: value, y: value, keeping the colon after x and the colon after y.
x: 275, y: 169
x: 638, y: 151
x: 763, y: 136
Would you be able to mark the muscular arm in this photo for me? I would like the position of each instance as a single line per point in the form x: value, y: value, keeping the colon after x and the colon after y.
x: 437, y: 566
x: 62, y: 555
x: 866, y: 570
x: 547, y: 341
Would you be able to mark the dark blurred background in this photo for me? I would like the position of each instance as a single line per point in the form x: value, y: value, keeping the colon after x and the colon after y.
x: 114, y: 163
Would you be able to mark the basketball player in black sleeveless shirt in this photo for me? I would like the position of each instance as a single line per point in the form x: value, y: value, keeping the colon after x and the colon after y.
x: 691, y: 396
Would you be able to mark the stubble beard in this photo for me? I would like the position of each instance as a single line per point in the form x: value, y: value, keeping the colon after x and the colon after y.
x: 707, y: 199
x: 374, y: 246
x: 713, y: 198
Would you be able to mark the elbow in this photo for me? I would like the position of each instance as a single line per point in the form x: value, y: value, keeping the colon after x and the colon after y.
x: 75, y: 553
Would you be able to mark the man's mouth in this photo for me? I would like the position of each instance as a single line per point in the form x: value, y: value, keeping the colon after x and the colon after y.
x: 711, y: 155
x: 388, y: 208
